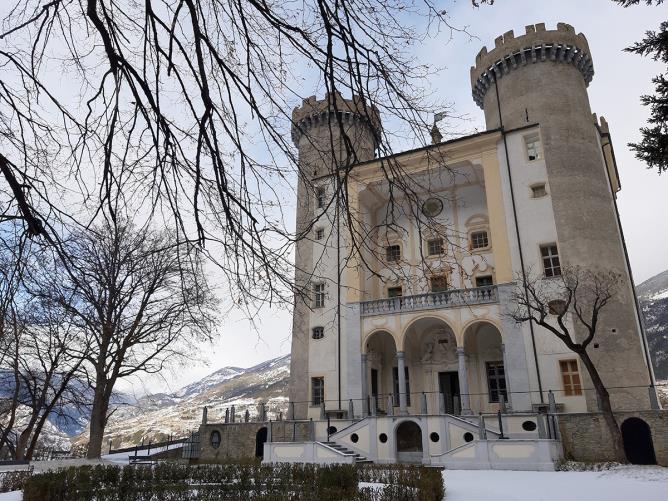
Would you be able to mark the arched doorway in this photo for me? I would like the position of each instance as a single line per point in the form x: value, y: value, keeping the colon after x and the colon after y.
x: 260, y: 439
x: 430, y: 349
x: 638, y: 444
x: 381, y: 354
x: 485, y: 367
x: 409, y: 442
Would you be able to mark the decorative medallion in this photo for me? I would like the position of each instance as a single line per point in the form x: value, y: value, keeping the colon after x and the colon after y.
x: 432, y: 207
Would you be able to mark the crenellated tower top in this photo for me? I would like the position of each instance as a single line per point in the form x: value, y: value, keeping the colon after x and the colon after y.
x: 537, y: 45
x: 315, y: 112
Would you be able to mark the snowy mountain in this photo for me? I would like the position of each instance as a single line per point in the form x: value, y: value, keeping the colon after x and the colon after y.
x: 156, y: 417
x: 653, y: 297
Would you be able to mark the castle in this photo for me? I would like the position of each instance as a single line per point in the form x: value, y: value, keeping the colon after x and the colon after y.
x: 431, y: 316
x: 403, y: 347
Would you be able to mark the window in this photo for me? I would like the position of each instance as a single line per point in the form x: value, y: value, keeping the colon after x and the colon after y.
x: 394, y: 292
x: 320, y: 198
x: 479, y: 240
x: 318, y: 332
x: 496, y: 381
x: 393, y: 253
x: 550, y: 257
x: 538, y: 191
x: 534, y: 147
x: 319, y: 233
x: 439, y: 283
x: 395, y: 377
x: 318, y: 295
x: 484, y: 281
x: 317, y: 390
x: 214, y: 439
x: 435, y: 247
x: 570, y: 377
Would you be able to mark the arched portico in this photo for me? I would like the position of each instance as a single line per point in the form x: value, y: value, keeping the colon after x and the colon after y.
x: 484, y: 359
x: 430, y: 347
x: 379, y: 358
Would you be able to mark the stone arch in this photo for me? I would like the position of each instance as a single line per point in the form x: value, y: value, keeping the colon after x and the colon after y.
x: 638, y: 444
x: 380, y: 349
x: 466, y: 327
x: 485, y: 364
x: 408, y: 441
x: 379, y: 330
x: 401, y: 345
x: 260, y: 439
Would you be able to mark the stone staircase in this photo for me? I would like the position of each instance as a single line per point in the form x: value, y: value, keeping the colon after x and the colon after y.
x: 359, y: 459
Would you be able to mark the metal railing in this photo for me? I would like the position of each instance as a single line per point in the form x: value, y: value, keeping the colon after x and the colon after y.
x: 432, y: 300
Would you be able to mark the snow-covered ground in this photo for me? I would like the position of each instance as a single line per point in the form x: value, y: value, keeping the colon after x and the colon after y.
x: 641, y: 483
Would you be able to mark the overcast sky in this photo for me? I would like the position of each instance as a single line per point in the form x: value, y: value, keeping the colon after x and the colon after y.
x: 619, y: 80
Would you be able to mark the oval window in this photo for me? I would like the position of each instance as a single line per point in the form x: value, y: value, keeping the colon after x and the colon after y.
x: 529, y: 426
x: 432, y: 207
x: 354, y: 438
x: 468, y: 437
x: 214, y: 439
x: 383, y: 438
x: 433, y: 436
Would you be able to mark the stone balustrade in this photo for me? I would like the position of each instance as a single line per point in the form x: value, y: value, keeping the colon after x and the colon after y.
x: 434, y: 300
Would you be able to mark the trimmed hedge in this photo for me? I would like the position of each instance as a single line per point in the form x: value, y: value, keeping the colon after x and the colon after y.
x: 172, y: 482
x: 13, y: 480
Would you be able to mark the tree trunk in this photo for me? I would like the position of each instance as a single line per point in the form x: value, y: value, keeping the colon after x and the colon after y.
x: 98, y: 421
x: 606, y: 408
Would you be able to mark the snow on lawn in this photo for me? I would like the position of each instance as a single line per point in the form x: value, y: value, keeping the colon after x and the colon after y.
x: 11, y: 496
x: 642, y: 483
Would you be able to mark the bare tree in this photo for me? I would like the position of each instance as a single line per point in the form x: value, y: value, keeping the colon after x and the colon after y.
x: 42, y: 374
x: 570, y: 307
x: 137, y: 301
x: 186, y: 104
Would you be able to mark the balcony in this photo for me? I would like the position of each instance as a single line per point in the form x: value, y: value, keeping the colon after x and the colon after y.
x: 455, y: 298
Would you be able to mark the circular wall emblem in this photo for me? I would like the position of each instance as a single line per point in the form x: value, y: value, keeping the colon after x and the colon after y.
x: 432, y: 207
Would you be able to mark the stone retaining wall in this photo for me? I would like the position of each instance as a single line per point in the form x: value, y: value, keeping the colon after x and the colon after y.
x: 585, y: 436
x: 238, y: 440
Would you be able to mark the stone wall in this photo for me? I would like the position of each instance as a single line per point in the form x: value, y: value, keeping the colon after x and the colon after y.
x: 585, y: 436
x: 238, y: 440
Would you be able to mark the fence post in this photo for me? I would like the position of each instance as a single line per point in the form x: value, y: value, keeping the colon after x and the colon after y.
x: 482, y: 432
x: 500, y: 425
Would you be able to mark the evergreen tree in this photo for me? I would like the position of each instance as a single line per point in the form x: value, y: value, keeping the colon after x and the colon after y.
x: 653, y: 148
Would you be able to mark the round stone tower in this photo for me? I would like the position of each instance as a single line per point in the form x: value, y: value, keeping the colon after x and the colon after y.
x: 330, y: 134
x: 541, y: 78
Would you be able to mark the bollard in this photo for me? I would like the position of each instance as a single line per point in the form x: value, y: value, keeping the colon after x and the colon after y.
x: 233, y: 416
x: 246, y: 416
x: 500, y: 425
x: 227, y: 415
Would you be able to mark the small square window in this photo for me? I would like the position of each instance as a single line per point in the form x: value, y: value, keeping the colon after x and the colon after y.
x: 317, y: 390
x: 319, y: 295
x: 538, y: 191
x: 570, y: 376
x: 320, y: 198
x: 479, y: 240
x: 550, y: 256
x: 435, y: 247
x: 393, y: 253
x: 318, y: 332
x: 439, y: 283
x: 395, y: 292
x: 484, y: 281
x: 319, y: 233
x: 534, y: 147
